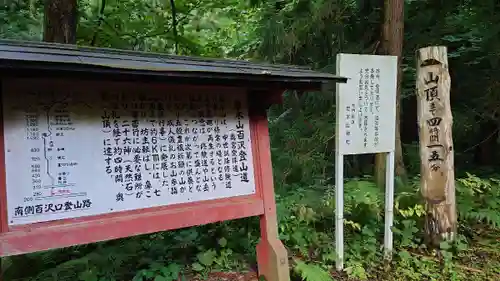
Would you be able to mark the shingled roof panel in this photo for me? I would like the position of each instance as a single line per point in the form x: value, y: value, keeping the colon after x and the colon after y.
x: 22, y: 54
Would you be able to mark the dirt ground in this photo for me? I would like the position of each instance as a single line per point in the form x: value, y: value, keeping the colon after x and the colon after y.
x: 229, y: 276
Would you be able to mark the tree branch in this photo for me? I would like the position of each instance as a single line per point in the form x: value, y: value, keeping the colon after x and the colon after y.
x: 99, y: 22
x: 174, y: 26
x: 162, y: 32
x: 177, y: 23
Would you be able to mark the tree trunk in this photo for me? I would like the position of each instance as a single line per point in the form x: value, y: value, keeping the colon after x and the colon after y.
x: 485, y: 151
x: 396, y: 49
x: 392, y: 44
x: 60, y: 21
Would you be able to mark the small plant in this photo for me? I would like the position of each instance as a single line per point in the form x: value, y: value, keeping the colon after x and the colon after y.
x: 224, y: 259
x: 94, y: 275
x: 159, y: 272
x: 204, y: 263
x: 356, y: 270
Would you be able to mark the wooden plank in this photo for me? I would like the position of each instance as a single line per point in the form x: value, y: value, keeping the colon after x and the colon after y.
x: 65, y: 233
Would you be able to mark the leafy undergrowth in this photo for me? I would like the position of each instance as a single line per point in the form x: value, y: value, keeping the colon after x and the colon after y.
x: 226, y: 251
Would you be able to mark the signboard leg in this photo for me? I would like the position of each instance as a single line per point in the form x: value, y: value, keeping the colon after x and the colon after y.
x: 389, y: 204
x: 272, y: 256
x: 339, y: 210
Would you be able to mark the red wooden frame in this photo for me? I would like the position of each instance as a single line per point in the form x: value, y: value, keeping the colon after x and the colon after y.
x: 272, y: 256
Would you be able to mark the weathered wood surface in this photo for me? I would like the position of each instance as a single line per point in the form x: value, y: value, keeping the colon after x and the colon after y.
x: 436, y: 143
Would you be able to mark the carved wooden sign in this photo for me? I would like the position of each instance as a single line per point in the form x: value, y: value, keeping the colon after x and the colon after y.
x: 436, y: 143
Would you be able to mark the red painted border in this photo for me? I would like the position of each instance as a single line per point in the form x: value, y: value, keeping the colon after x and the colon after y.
x: 63, y: 233
x: 4, y: 226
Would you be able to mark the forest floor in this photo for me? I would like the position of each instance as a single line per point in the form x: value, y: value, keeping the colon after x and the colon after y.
x: 480, y: 261
x: 476, y: 259
x: 229, y: 276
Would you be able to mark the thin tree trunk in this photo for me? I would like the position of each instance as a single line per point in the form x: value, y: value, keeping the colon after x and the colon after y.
x: 396, y: 48
x: 485, y: 150
x: 174, y: 26
x: 392, y: 44
x: 60, y: 21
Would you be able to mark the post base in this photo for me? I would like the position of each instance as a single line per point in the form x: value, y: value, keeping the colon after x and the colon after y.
x: 272, y: 259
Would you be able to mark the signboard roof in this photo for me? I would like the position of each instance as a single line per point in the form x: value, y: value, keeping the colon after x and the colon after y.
x: 65, y: 59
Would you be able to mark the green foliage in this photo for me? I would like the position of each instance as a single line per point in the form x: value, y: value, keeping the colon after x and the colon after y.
x: 312, y: 272
x: 306, y: 227
x: 210, y: 28
x: 477, y: 200
x: 21, y: 20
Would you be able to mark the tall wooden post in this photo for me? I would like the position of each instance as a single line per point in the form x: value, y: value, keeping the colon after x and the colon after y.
x: 272, y: 256
x: 436, y: 144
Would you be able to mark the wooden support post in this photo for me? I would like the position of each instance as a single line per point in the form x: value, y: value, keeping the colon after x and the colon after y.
x: 436, y: 144
x: 272, y: 256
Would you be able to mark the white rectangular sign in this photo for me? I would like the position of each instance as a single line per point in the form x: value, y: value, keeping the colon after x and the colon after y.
x: 70, y: 154
x: 366, y: 104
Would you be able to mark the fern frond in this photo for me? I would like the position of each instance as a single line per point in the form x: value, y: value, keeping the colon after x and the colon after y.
x: 311, y: 272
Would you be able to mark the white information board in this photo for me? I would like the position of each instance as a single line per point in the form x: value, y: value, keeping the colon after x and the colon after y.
x: 70, y: 155
x: 366, y: 124
x: 366, y: 104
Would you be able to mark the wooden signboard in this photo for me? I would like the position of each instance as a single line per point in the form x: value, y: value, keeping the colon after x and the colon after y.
x: 145, y: 144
